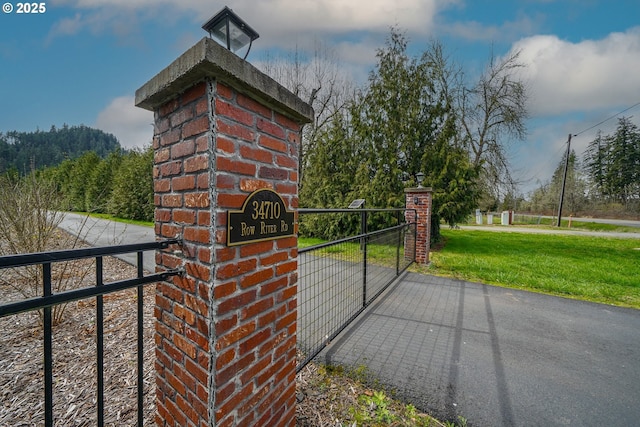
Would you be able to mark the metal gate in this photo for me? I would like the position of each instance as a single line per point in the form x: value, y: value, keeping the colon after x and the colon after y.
x: 339, y: 279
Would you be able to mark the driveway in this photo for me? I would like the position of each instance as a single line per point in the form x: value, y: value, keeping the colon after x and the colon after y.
x: 100, y: 232
x: 498, y: 357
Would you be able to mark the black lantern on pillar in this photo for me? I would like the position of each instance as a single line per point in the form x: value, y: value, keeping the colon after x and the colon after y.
x: 227, y: 28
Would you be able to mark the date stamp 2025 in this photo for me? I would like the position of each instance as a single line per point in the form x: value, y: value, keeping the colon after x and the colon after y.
x: 24, y: 8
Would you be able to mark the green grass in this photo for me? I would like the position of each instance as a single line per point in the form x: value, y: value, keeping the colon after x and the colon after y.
x: 113, y: 218
x: 379, y: 254
x: 604, y: 270
x: 548, y: 223
x: 305, y: 242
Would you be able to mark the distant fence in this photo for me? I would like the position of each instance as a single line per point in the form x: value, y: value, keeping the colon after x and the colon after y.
x: 498, y: 218
x: 532, y: 219
x: 339, y: 279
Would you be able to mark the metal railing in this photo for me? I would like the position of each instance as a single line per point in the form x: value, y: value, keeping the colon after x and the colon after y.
x: 50, y: 299
x: 339, y: 279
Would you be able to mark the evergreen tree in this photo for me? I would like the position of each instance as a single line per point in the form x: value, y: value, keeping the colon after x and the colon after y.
x: 453, y: 178
x: 596, y: 166
x: 101, y: 181
x: 402, y: 123
x: 612, y: 163
x: 330, y: 181
x: 132, y: 195
x: 79, y: 179
x: 624, y: 161
x: 407, y: 120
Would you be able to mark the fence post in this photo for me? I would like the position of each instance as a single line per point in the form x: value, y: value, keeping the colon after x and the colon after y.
x: 418, y: 205
x: 226, y: 330
x: 398, y: 243
x: 363, y: 248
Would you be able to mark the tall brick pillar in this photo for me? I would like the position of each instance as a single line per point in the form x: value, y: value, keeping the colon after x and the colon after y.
x: 226, y: 330
x: 418, y: 202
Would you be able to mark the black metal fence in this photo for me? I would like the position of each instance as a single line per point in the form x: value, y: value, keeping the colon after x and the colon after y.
x: 50, y: 299
x: 339, y: 279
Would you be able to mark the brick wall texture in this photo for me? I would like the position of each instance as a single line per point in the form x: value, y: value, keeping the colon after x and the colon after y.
x: 226, y: 330
x: 418, y: 202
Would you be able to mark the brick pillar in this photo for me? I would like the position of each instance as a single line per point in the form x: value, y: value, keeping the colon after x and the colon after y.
x: 418, y: 202
x: 226, y: 330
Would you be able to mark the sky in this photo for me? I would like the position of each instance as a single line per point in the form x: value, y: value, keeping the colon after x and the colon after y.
x: 80, y: 62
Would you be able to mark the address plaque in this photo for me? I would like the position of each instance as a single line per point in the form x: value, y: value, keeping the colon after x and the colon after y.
x: 263, y: 217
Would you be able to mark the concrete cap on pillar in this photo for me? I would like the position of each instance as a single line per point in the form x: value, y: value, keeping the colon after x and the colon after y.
x: 206, y: 60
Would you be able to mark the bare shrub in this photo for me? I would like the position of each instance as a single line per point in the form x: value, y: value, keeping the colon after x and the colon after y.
x: 29, y: 221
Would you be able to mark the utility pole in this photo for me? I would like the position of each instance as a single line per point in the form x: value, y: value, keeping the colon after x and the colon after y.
x: 564, y: 180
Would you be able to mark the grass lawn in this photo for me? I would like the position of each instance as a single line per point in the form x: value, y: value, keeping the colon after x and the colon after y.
x: 597, y: 269
x: 380, y: 254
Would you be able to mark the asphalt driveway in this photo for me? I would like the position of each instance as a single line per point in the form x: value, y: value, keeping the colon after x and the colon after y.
x: 498, y: 357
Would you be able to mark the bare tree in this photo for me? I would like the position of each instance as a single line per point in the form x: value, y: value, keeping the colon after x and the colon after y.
x: 492, y: 114
x: 318, y: 78
x: 30, y: 220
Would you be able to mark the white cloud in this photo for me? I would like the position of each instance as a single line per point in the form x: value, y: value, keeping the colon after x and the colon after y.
x: 123, y: 23
x: 535, y: 161
x: 68, y: 26
x: 476, y: 31
x: 130, y: 124
x: 356, y: 27
x: 292, y: 18
x: 574, y: 77
x: 358, y: 53
x: 335, y: 16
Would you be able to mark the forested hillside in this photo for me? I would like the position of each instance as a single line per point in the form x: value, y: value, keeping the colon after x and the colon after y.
x: 26, y: 151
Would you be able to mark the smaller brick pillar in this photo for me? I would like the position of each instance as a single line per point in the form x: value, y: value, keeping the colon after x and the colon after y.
x: 226, y: 330
x: 418, y: 205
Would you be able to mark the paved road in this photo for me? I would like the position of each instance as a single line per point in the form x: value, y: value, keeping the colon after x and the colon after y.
x: 499, y: 357
x: 516, y: 229
x: 622, y: 222
x: 100, y: 232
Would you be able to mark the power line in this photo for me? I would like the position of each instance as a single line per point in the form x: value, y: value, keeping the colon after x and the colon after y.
x: 540, y: 168
x: 607, y: 119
